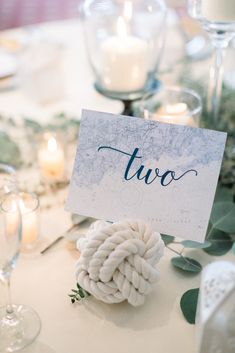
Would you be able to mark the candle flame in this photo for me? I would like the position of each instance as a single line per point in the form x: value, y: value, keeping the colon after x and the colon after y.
x: 128, y: 10
x: 52, y: 145
x: 121, y: 27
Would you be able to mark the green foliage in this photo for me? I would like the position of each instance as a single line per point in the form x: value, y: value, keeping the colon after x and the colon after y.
x: 226, y: 121
x: 223, y: 194
x: 186, y: 264
x: 221, y: 242
x: 9, y: 151
x: 33, y: 125
x: 58, y: 122
x: 195, y: 245
x: 223, y: 216
x: 78, y: 294
x: 188, y: 304
x: 168, y: 239
x: 233, y: 249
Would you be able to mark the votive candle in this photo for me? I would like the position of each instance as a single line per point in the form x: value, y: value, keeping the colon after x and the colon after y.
x: 51, y: 159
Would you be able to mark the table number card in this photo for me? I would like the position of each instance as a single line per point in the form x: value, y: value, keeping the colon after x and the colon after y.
x: 165, y: 174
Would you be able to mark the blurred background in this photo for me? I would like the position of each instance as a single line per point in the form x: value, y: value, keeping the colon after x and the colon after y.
x: 16, y: 13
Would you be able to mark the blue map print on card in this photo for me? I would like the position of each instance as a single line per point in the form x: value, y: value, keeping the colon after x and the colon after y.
x: 198, y: 147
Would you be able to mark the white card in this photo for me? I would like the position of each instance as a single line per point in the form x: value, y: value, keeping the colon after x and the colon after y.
x: 128, y: 167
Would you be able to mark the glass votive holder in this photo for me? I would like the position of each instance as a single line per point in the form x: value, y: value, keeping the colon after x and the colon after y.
x: 124, y: 41
x: 29, y: 207
x: 172, y: 105
x: 51, y: 157
x: 8, y: 180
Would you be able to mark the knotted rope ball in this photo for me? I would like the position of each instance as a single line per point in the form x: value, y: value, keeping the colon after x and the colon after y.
x: 118, y: 261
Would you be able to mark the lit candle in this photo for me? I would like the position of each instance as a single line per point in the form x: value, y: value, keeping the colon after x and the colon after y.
x: 29, y: 222
x: 176, y: 113
x: 51, y: 159
x: 124, y: 60
x: 219, y: 10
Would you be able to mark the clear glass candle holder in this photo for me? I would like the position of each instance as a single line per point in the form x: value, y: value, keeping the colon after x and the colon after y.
x: 8, y: 180
x: 124, y: 40
x: 19, y: 324
x: 29, y: 208
x: 172, y: 105
x: 51, y: 157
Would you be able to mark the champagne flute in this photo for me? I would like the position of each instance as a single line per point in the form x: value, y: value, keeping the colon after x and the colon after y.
x: 218, y: 19
x: 19, y: 324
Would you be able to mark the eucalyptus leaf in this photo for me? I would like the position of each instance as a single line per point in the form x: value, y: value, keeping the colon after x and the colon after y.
x: 223, y: 194
x: 223, y: 216
x: 195, y: 245
x: 168, y: 239
x: 186, y: 264
x: 9, y: 151
x: 33, y: 125
x: 221, y: 242
x: 81, y: 293
x: 233, y: 249
x: 188, y: 304
x: 74, y: 122
x: 61, y: 115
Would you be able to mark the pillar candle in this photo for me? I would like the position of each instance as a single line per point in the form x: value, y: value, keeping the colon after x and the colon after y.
x: 124, y: 60
x: 30, y: 227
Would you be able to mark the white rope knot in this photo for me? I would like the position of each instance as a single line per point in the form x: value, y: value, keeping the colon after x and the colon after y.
x: 118, y: 261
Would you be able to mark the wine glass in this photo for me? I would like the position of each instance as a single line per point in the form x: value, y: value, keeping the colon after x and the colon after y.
x: 19, y: 324
x: 124, y: 40
x: 218, y: 19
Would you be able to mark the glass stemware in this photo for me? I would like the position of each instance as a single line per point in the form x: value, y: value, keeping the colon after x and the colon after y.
x: 124, y: 40
x: 218, y: 19
x: 8, y: 180
x: 19, y: 324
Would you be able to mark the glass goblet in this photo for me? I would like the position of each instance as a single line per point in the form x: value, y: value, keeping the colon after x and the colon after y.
x: 19, y: 324
x: 124, y: 40
x: 218, y: 19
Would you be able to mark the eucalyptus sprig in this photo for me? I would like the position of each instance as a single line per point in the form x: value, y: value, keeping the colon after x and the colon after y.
x: 220, y: 239
x: 182, y: 262
x: 78, y: 294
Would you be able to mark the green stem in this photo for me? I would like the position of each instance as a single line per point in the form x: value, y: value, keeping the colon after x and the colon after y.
x: 175, y: 251
x: 185, y: 258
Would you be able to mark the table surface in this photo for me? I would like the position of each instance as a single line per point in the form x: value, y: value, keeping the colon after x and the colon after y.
x: 75, y: 73
x: 44, y: 281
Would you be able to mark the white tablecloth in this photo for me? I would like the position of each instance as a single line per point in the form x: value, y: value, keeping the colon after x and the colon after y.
x: 44, y: 281
x: 76, y: 74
